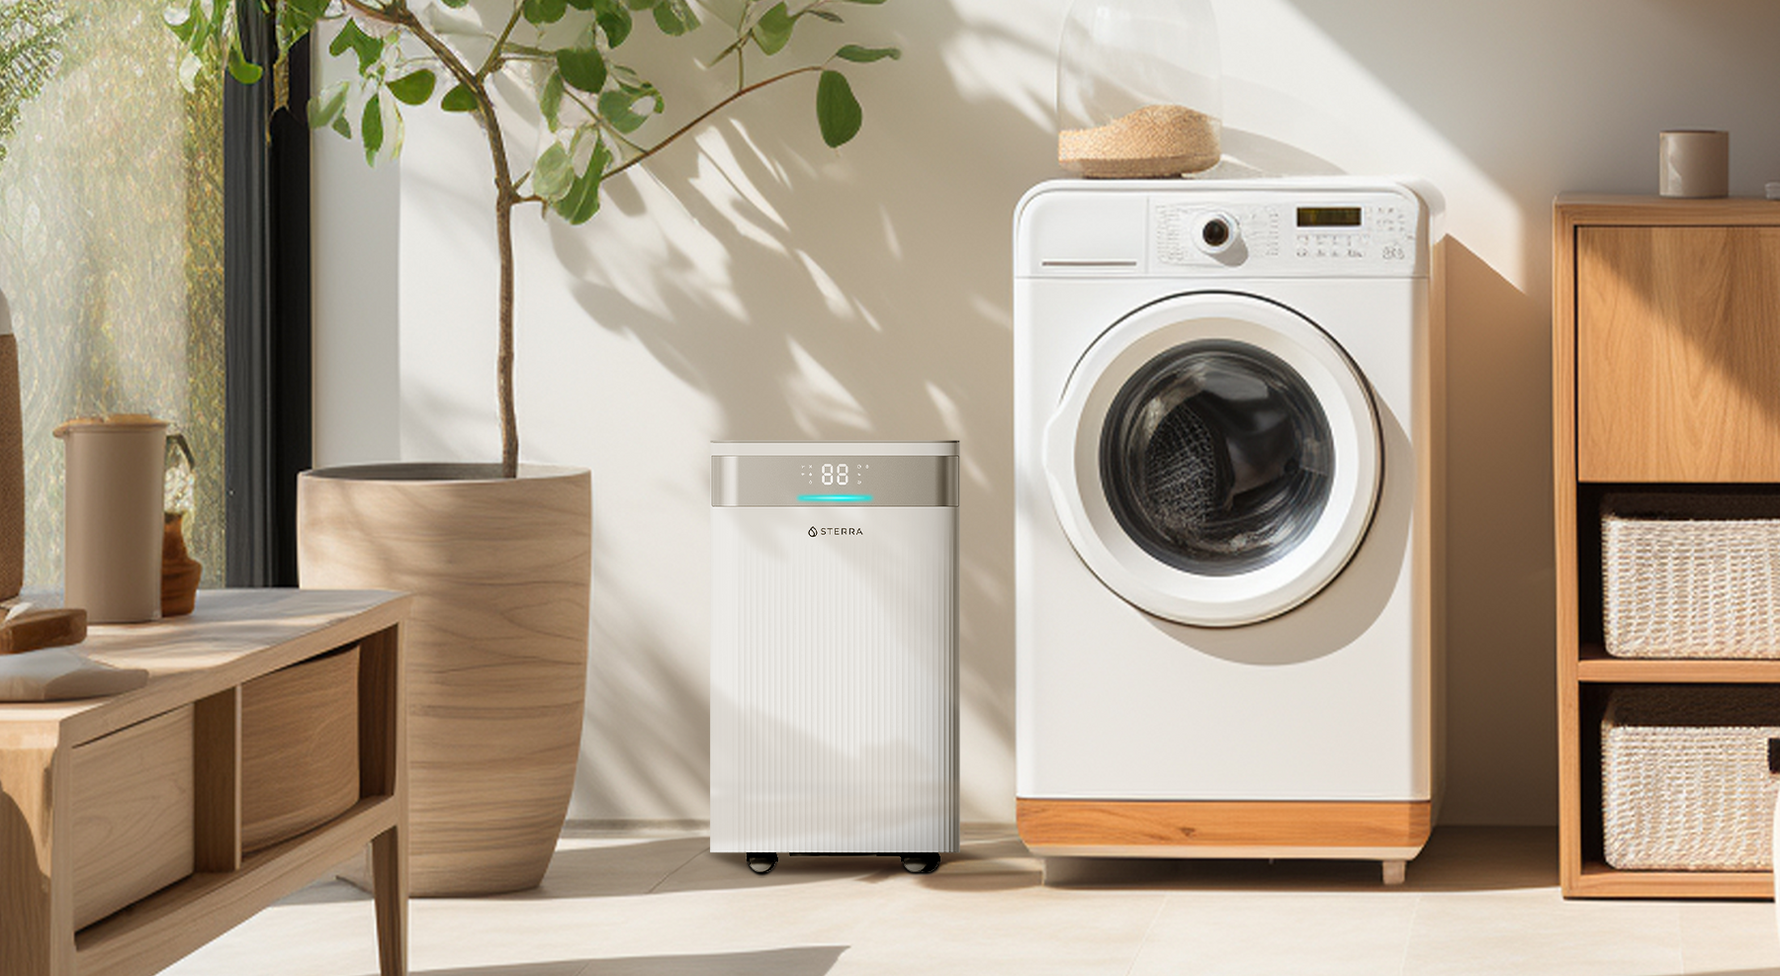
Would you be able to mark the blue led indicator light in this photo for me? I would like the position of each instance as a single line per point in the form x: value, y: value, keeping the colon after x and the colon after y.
x: 834, y: 498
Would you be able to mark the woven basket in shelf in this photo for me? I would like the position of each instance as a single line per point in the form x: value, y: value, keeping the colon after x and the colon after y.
x: 1691, y: 576
x: 1684, y: 777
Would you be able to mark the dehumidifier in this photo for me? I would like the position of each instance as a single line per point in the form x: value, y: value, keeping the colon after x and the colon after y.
x: 834, y: 650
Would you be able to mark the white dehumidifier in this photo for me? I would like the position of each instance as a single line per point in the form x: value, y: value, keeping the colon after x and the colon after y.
x: 834, y: 650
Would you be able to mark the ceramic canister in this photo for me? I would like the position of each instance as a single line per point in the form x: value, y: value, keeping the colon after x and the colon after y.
x: 1694, y: 163
x: 113, y: 517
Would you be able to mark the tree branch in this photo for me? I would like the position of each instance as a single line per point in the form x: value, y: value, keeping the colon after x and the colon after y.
x: 494, y: 53
x: 713, y: 110
x: 388, y: 13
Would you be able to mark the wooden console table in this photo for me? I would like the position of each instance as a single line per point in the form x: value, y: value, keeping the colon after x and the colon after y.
x: 121, y: 819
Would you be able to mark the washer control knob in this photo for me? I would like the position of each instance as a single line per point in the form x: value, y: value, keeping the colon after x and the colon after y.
x: 1217, y: 232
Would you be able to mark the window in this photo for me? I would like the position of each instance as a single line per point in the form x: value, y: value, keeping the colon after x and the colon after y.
x: 111, y: 246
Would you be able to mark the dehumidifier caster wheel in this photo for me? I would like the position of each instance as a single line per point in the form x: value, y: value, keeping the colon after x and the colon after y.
x: 762, y: 863
x: 920, y: 863
x: 1394, y: 871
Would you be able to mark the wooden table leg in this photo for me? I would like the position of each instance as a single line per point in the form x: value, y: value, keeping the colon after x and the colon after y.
x: 389, y: 886
x: 36, y: 904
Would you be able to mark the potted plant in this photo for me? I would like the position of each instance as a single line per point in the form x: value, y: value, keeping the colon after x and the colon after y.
x: 498, y: 556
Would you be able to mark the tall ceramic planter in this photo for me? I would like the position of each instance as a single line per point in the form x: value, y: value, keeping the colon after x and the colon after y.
x: 496, y: 645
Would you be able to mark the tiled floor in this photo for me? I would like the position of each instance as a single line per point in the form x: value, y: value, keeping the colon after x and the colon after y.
x: 1479, y: 900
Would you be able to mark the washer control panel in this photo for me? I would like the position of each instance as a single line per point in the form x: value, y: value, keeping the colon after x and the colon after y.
x: 1341, y: 235
x: 1285, y: 227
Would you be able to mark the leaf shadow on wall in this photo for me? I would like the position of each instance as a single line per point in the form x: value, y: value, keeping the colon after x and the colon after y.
x: 858, y: 295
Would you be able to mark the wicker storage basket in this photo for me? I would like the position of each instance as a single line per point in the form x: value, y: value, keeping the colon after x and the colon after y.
x: 1691, y: 575
x: 1684, y: 777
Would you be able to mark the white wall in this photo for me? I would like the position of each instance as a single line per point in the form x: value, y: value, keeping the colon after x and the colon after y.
x: 758, y: 285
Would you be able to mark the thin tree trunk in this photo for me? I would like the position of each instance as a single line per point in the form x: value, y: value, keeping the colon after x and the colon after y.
x: 505, y: 197
x: 503, y: 223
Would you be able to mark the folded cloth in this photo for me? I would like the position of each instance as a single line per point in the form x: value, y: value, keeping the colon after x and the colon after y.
x: 58, y: 674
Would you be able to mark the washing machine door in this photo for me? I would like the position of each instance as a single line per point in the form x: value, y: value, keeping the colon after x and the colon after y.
x: 1215, y: 459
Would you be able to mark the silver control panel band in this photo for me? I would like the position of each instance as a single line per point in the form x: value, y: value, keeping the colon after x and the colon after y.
x: 799, y: 481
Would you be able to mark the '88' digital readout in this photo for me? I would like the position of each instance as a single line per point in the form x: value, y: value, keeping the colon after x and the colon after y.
x: 835, y: 474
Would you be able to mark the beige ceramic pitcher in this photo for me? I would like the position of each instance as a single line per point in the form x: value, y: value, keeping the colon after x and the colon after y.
x: 112, y: 513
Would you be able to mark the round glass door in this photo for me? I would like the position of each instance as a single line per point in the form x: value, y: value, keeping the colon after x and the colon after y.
x: 1215, y: 459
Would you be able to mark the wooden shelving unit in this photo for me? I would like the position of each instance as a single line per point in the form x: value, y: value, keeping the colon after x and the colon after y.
x: 1666, y: 376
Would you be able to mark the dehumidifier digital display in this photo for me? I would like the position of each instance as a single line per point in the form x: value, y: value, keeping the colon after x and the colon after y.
x: 836, y: 481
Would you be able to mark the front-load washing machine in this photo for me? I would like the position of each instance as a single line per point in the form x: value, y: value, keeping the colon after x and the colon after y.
x: 1227, y: 518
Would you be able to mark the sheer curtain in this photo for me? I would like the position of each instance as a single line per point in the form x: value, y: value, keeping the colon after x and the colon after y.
x: 111, y: 246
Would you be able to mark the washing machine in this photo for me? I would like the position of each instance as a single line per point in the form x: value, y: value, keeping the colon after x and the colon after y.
x: 1228, y: 518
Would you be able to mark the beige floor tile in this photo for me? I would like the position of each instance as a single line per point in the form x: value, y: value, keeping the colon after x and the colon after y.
x: 1328, y: 934
x: 940, y: 926
x: 586, y: 867
x: 324, y: 930
x: 1479, y: 900
x: 1537, y: 931
x: 1730, y: 937
x: 795, y: 961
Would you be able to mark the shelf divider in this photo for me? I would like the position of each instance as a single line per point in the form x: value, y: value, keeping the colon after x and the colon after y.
x: 1596, y: 665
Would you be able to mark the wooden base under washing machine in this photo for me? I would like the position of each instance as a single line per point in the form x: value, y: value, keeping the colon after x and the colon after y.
x: 1391, y: 833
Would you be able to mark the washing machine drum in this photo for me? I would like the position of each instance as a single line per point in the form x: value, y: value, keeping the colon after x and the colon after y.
x: 1215, y: 459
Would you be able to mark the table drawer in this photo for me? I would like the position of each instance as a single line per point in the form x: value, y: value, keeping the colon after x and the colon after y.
x: 299, y: 748
x: 132, y: 832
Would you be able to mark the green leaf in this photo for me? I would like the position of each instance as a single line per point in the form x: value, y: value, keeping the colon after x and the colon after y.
x: 872, y: 3
x: 773, y: 30
x: 190, y: 67
x: 342, y: 126
x: 674, y: 17
x: 619, y: 108
x: 540, y: 12
x: 369, y: 49
x: 582, y: 4
x: 583, y: 199
x: 297, y: 18
x: 328, y: 105
x: 554, y: 173
x: 837, y: 111
x: 827, y: 15
x: 550, y: 100
x: 864, y: 55
x: 183, y: 22
x: 243, y: 70
x: 633, y: 84
x: 370, y: 128
x: 455, y: 4
x: 458, y: 99
x: 414, y: 89
x: 641, y: 4
x: 582, y: 67
x: 614, y: 19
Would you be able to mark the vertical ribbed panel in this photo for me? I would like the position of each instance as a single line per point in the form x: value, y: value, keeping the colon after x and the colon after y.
x: 834, y: 680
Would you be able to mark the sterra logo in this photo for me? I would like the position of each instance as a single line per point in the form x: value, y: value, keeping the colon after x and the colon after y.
x: 835, y: 530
